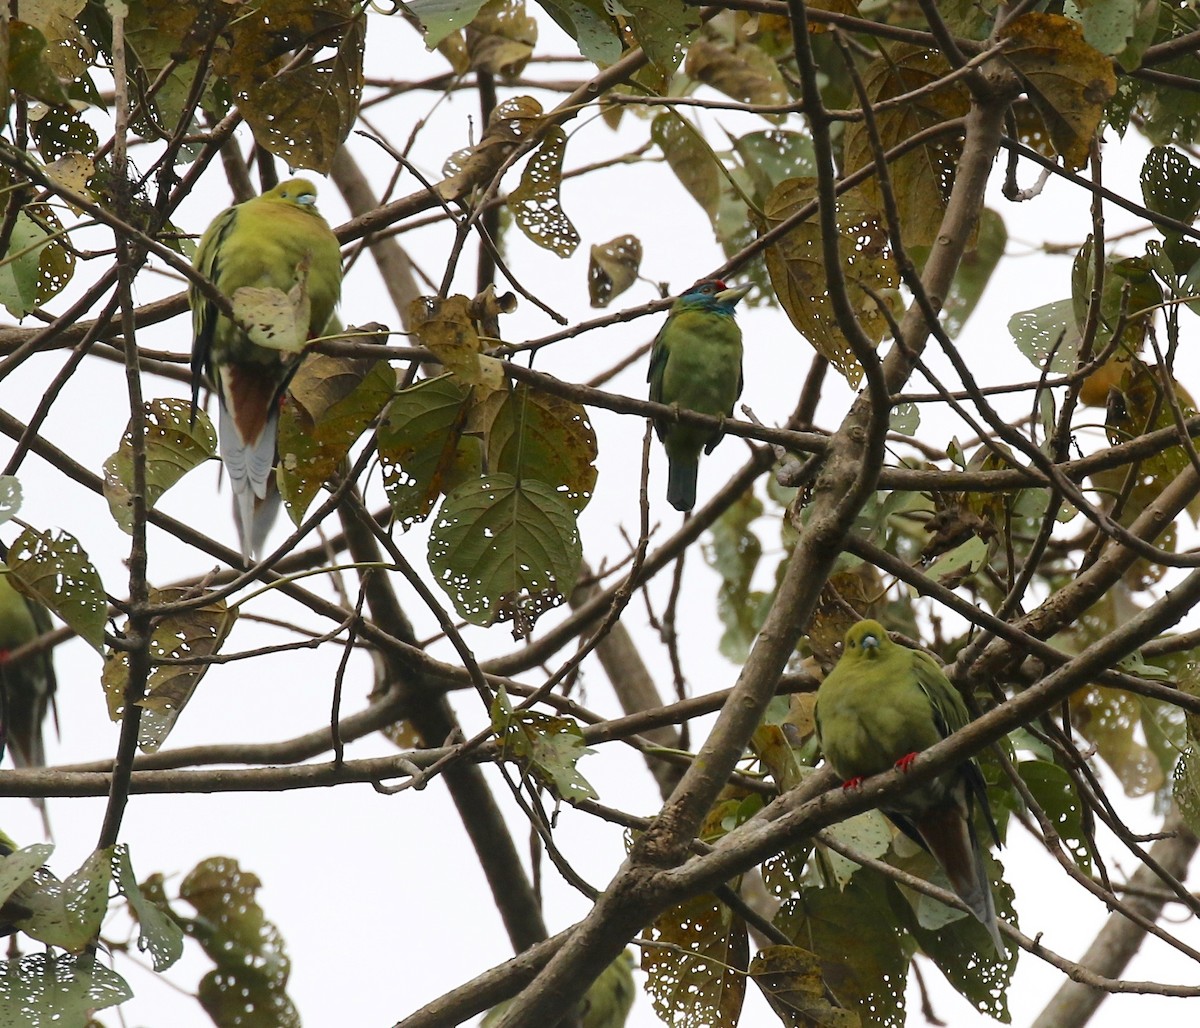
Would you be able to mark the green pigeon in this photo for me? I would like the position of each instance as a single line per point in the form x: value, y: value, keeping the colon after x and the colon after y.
x: 276, y: 241
x: 879, y: 707
x: 26, y: 686
x: 696, y: 364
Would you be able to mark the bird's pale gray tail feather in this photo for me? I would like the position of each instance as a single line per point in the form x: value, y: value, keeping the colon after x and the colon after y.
x: 681, y: 482
x: 251, y: 470
x: 260, y: 519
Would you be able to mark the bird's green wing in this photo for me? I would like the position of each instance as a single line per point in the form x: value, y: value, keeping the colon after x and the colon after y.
x: 949, y: 710
x: 950, y: 713
x: 658, y: 365
x: 204, y: 312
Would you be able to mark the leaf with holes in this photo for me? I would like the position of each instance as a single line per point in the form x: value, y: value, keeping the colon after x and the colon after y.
x: 422, y: 447
x: 304, y: 111
x: 921, y: 179
x: 612, y: 268
x: 549, y: 747
x: 193, y: 634
x: 59, y: 989
x: 534, y: 435
x: 174, y: 445
x: 1068, y: 81
x: 68, y: 913
x: 249, y: 984
x: 312, y: 446
x: 697, y: 977
x: 797, y: 269
x: 446, y: 328
x: 156, y: 931
x: 664, y: 29
x: 505, y: 550
x: 56, y: 571
x: 790, y: 979
x: 854, y: 935
x: 535, y: 203
x: 10, y: 497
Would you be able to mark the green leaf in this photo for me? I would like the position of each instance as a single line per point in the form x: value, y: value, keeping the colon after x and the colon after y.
x: 156, y: 931
x: 1054, y: 791
x: 975, y: 271
x: 56, y: 570
x: 590, y: 25
x: 68, y: 914
x: 10, y: 497
x: 690, y: 158
x: 20, y: 271
x: 853, y: 933
x: 1047, y: 336
x: 18, y: 867
x: 441, y: 17
x: 338, y: 399
x: 663, y: 29
x: 535, y: 435
x: 50, y: 991
x: 193, y: 634
x: 28, y: 70
x: 701, y: 979
x: 536, y: 204
x: 505, y: 550
x: 1108, y: 25
x: 774, y: 155
x: 422, y: 447
x: 549, y: 747
x: 248, y: 987
x: 734, y: 552
x: 867, y: 833
x: 174, y: 445
x: 1171, y: 184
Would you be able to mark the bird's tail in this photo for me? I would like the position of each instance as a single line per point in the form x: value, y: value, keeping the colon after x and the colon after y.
x: 681, y: 482
x: 254, y: 518
x: 251, y: 466
x: 950, y: 837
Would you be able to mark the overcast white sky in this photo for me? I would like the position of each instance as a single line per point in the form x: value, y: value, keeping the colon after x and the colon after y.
x: 380, y: 898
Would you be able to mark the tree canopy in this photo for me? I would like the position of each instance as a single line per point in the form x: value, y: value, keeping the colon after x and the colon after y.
x: 477, y: 580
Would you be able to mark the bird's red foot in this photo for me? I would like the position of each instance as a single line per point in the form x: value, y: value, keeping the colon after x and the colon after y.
x: 905, y: 762
x: 853, y: 783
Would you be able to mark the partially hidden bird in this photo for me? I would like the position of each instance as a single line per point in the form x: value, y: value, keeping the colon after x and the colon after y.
x: 695, y: 364
x: 880, y: 706
x: 606, y: 1004
x: 280, y: 241
x: 26, y: 685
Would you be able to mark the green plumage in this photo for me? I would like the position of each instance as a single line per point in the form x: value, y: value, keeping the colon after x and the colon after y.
x: 696, y: 363
x: 278, y: 240
x: 605, y: 1005
x: 26, y: 686
x: 879, y: 707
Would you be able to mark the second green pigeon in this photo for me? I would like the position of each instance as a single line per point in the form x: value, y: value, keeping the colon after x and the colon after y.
x: 696, y: 364
x: 27, y: 685
x: 880, y: 706
x: 275, y: 241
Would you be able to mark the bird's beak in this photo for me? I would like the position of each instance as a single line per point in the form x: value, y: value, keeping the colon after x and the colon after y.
x: 870, y: 642
x: 734, y: 294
